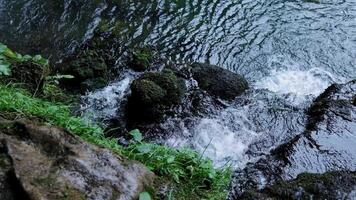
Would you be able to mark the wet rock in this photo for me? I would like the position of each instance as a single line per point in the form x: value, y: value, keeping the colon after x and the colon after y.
x: 140, y: 60
x: 331, y: 185
x: 89, y: 69
x: 44, y: 162
x: 326, y: 144
x: 152, y: 94
x: 218, y: 81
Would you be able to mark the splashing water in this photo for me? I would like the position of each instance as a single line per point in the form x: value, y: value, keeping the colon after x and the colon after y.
x: 223, y: 138
x: 299, y: 85
x: 104, y: 104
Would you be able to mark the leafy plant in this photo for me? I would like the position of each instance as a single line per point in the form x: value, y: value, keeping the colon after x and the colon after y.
x: 9, y: 57
x: 145, y: 196
x: 136, y: 134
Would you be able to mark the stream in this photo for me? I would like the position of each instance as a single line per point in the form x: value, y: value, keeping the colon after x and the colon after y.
x: 289, y: 51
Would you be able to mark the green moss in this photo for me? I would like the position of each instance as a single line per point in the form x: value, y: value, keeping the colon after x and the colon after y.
x: 152, y: 94
x: 72, y: 194
x: 48, y: 181
x: 140, y: 60
x: 89, y: 68
x: 169, y: 82
x: 148, y: 91
x: 5, y: 162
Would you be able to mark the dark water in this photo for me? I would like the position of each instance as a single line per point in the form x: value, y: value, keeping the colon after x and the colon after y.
x: 249, y: 37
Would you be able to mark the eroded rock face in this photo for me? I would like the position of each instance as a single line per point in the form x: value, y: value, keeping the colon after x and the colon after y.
x: 326, y: 144
x: 218, y: 81
x: 43, y: 162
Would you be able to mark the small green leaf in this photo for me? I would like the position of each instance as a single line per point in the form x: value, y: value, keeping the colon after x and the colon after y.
x: 5, y: 69
x: 58, y: 77
x: 10, y: 54
x: 40, y: 60
x: 170, y: 159
x: 2, y: 48
x: 136, y: 134
x: 26, y: 58
x: 145, y: 196
x: 144, y: 148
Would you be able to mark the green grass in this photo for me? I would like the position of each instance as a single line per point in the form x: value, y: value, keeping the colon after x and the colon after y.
x: 191, y: 176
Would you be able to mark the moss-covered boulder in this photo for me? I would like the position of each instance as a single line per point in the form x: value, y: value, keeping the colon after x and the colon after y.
x: 152, y: 94
x: 89, y: 69
x: 140, y: 60
x: 218, y: 81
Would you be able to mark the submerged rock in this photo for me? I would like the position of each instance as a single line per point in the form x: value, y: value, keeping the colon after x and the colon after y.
x: 330, y: 185
x: 218, y: 81
x: 152, y: 94
x: 326, y: 144
x: 44, y: 162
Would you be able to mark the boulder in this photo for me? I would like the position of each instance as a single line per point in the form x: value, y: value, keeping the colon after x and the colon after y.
x: 89, y: 70
x: 45, y: 162
x: 140, y: 60
x: 218, y: 81
x: 152, y: 94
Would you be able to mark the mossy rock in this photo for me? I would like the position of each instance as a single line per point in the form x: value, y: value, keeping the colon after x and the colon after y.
x: 90, y: 71
x: 152, y: 94
x: 148, y: 92
x: 140, y: 60
x: 218, y: 81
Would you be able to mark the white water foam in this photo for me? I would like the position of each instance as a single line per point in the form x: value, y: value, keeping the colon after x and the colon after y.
x: 297, y: 83
x: 223, y: 138
x: 218, y: 142
x: 104, y: 103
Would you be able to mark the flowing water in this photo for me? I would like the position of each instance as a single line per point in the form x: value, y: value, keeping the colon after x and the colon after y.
x: 290, y: 51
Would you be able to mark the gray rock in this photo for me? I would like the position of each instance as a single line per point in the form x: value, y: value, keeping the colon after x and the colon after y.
x: 45, y: 162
